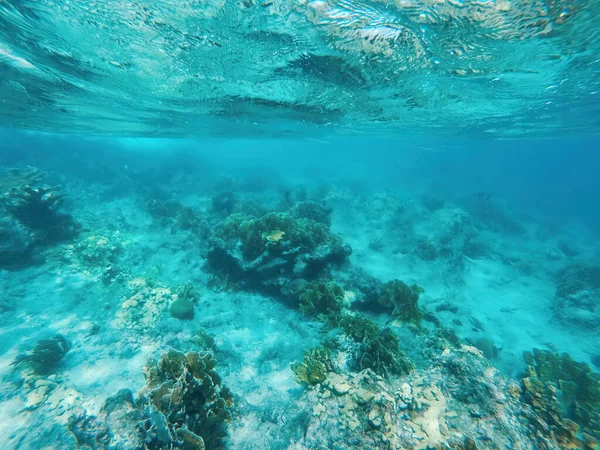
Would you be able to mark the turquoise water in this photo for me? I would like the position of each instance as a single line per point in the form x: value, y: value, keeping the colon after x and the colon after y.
x: 299, y: 225
x: 279, y: 68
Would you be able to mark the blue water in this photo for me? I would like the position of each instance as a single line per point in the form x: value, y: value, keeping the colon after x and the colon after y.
x: 299, y: 225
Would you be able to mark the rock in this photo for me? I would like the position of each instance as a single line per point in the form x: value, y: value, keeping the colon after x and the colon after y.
x: 36, y: 397
x: 362, y: 396
x: 406, y: 393
x: 191, y: 441
x: 182, y: 309
x: 338, y: 384
x: 374, y: 418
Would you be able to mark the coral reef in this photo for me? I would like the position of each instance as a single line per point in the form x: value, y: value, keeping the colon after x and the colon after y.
x: 425, y: 250
x: 46, y: 354
x: 190, y: 219
x: 304, y: 249
x: 161, y: 209
x: 313, y: 369
x: 566, y: 397
x: 144, y: 305
x: 38, y: 207
x: 322, y: 297
x: 224, y: 203
x: 383, y: 355
x: 185, y: 402
x: 577, y: 299
x: 432, y: 408
x: 377, y: 349
x: 30, y: 216
x: 312, y: 211
x: 402, y: 300
x: 183, y: 405
x: 16, y: 243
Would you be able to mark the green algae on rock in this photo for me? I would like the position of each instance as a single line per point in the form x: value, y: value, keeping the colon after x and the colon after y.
x: 182, y: 309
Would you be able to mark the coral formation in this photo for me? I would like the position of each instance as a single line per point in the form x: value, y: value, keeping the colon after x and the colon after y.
x: 378, y: 350
x: 16, y: 243
x: 566, y: 397
x: 46, y: 354
x: 38, y: 207
x: 30, y: 216
x: 312, y: 211
x: 185, y: 403
x: 160, y: 208
x: 383, y: 355
x: 432, y: 408
x: 297, y: 249
x: 224, y: 203
x: 402, y: 299
x: 144, y: 305
x: 182, y: 308
x: 313, y: 369
x: 577, y: 299
x: 322, y: 297
x: 425, y: 250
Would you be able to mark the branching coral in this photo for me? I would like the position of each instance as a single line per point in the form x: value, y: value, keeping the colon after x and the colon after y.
x: 359, y: 327
x: 402, y: 299
x: 384, y: 356
x: 566, y: 395
x: 186, y: 404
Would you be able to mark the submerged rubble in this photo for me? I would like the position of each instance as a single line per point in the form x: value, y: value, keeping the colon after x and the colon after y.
x: 460, y: 402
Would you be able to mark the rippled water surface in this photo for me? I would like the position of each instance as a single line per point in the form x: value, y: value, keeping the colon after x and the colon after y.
x: 280, y: 67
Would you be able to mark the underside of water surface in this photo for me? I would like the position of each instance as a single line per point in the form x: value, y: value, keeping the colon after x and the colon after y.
x: 273, y: 68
